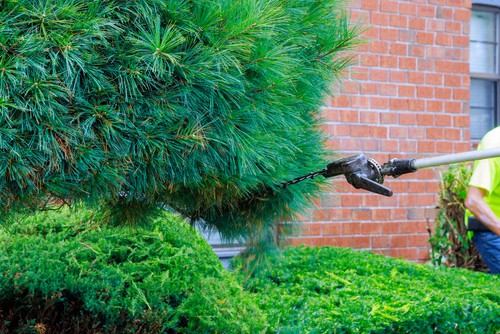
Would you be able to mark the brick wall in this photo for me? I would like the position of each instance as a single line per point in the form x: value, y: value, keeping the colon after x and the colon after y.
x: 407, y: 97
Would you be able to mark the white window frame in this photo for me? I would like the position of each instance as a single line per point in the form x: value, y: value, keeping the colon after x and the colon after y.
x: 493, y: 6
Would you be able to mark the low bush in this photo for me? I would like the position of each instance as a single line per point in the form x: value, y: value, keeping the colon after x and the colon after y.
x: 60, y: 271
x: 332, y: 290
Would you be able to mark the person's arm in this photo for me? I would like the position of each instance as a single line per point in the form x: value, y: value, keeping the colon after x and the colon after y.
x: 478, y: 207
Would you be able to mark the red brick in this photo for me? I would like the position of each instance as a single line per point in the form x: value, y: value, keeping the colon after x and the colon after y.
x: 370, y: 4
x: 444, y: 39
x: 408, y: 253
x: 381, y: 241
x: 452, y: 80
x: 426, y: 10
x: 351, y: 228
x: 379, y: 75
x: 389, y: 6
x: 389, y: 118
x: 399, y: 21
x: 436, y: 106
x: 370, y: 228
x: 399, y: 76
x: 398, y: 49
x: 444, y: 66
x: 339, y: 101
x: 462, y: 15
x: 461, y: 67
x: 408, y: 146
x: 398, y: 104
x: 452, y: 134
x: 409, y: 91
x: 379, y: 103
x: 435, y: 25
x: 349, y: 116
x: 331, y: 229
x: 369, y: 60
x: 453, y: 106
x: 417, y: 23
x: 417, y: 51
x: 434, y: 79
x: 328, y: 241
x: 389, y: 61
x: 388, y: 34
x: 453, y: 27
x: 425, y: 119
x: 407, y: 36
x: 361, y: 242
x: 455, y: 54
x: 369, y: 117
x: 433, y: 51
x: 379, y: 47
x: 425, y: 91
x: 461, y: 41
x: 381, y: 19
x: 444, y: 13
x: 443, y: 93
x: 461, y: 121
x: 443, y: 120
x: 408, y: 8
x: 398, y: 214
x: 425, y: 37
x: 461, y: 94
x: 407, y: 63
x: 341, y: 241
x: 426, y: 146
x: 311, y: 229
x: 369, y: 88
x: 388, y: 89
x: 358, y: 101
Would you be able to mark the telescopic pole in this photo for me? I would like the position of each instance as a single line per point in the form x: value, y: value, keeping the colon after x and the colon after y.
x: 455, y: 158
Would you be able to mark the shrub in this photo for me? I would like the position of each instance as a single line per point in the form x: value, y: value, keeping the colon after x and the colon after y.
x: 333, y: 290
x: 206, y: 106
x: 63, y: 272
x: 450, y: 244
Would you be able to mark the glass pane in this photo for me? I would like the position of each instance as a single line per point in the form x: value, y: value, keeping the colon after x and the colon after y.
x: 482, y: 93
x: 482, y: 107
x: 481, y: 121
x: 482, y: 26
x: 482, y: 57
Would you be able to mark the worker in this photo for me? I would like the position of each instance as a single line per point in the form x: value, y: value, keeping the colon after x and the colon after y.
x: 483, y: 203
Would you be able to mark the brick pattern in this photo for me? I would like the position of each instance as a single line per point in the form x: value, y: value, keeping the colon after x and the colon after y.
x: 407, y: 98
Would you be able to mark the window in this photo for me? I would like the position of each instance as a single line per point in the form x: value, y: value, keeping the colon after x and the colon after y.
x: 484, y: 69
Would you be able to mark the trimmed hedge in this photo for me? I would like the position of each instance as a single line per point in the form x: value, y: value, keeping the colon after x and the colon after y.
x: 63, y: 272
x: 332, y: 290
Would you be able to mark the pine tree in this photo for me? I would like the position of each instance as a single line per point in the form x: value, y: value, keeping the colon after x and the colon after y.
x: 201, y: 106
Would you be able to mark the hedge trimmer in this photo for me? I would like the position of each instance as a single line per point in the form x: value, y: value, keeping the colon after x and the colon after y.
x: 366, y: 173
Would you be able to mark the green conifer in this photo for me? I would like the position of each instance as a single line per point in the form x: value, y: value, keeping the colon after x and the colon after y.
x: 202, y: 106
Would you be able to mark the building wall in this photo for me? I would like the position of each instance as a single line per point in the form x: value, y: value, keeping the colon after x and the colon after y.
x: 406, y: 97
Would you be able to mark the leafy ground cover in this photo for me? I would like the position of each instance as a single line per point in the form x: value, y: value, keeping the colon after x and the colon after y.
x: 331, y: 290
x: 62, y: 272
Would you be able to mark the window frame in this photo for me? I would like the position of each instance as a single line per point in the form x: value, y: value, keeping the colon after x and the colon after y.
x: 490, y: 6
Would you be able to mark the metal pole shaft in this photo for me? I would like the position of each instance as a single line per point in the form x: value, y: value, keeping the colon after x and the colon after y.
x: 455, y: 158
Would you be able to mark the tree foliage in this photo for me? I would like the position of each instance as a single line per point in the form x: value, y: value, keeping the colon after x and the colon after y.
x: 204, y: 106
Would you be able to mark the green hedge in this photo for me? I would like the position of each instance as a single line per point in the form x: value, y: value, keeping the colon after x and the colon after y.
x: 331, y: 290
x: 62, y: 272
